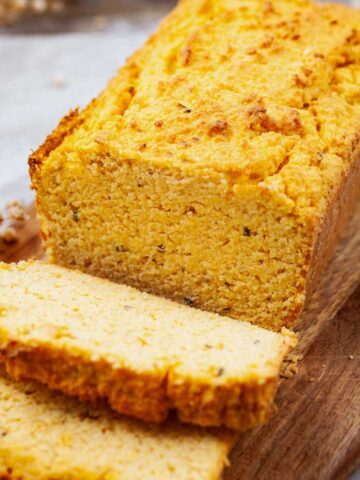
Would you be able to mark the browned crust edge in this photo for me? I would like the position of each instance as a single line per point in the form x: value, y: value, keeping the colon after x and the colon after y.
x: 66, y: 126
x: 147, y: 396
x: 9, y: 476
x: 333, y: 225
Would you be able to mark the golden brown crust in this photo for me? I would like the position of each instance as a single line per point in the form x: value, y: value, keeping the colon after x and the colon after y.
x: 149, y: 397
x: 237, y: 407
x: 339, y: 211
x: 67, y: 125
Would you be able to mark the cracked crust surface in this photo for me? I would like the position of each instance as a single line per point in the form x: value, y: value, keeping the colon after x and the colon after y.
x: 270, y: 98
x: 145, y: 355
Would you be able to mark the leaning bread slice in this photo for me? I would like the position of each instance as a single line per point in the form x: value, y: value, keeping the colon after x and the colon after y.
x: 47, y: 436
x: 91, y: 338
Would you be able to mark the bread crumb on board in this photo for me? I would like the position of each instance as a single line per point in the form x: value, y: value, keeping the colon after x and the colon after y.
x: 13, y: 215
x: 290, y: 365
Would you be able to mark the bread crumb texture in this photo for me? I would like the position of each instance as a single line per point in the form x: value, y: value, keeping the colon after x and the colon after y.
x: 146, y: 355
x: 46, y: 436
x: 208, y: 167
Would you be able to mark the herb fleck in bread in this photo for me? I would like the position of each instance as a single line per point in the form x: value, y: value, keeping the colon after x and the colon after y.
x: 220, y: 165
x: 47, y: 436
x: 146, y: 355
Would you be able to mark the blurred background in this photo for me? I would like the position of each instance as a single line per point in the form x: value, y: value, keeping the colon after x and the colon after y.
x: 53, y: 59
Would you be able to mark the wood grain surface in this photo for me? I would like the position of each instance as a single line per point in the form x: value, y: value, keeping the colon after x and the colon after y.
x: 315, y: 433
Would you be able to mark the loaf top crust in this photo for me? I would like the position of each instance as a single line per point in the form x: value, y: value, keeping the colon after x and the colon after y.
x: 241, y: 92
x: 47, y: 436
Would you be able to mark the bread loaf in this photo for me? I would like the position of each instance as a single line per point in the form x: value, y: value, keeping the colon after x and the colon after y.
x: 221, y: 164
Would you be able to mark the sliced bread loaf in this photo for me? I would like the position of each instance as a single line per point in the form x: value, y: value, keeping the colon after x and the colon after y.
x: 46, y: 436
x: 91, y: 338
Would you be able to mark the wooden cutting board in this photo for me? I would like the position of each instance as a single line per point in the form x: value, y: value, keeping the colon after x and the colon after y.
x: 315, y: 433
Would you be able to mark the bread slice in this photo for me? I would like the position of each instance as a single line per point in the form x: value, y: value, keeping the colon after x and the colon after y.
x: 219, y: 167
x: 47, y: 436
x: 146, y: 355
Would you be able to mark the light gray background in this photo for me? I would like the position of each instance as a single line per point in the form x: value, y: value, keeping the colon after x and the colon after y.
x: 82, y: 52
